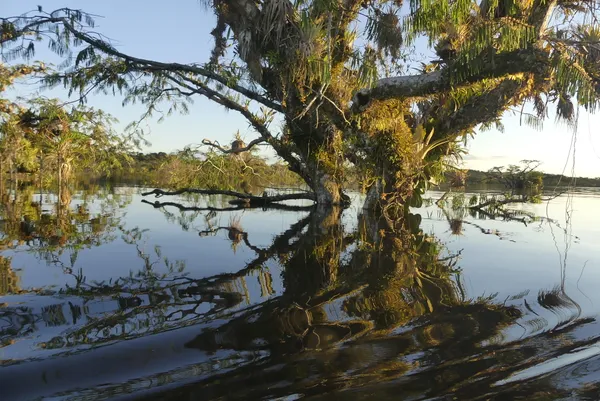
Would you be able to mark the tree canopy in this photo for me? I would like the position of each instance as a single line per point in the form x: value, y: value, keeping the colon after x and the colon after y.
x: 342, y: 75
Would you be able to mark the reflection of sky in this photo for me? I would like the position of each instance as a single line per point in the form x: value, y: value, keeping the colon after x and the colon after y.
x: 535, y: 260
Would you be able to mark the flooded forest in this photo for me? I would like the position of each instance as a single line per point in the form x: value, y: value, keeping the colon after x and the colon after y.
x: 309, y: 222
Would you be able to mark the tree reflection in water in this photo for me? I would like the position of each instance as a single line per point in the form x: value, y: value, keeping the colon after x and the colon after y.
x: 360, y: 308
x: 54, y: 229
x: 375, y: 310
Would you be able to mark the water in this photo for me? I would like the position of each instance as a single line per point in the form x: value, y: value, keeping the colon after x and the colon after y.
x: 103, y: 296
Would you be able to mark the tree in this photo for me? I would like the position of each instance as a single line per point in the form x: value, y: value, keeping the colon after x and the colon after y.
x: 61, y: 138
x: 339, y: 89
x: 517, y: 178
x: 45, y: 132
x: 69, y: 135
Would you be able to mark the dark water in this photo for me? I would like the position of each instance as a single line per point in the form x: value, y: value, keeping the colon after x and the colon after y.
x: 103, y: 296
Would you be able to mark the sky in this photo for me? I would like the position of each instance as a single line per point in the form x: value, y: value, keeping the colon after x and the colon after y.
x: 160, y: 31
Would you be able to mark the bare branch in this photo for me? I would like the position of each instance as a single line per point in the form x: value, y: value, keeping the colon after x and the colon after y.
x: 246, y: 148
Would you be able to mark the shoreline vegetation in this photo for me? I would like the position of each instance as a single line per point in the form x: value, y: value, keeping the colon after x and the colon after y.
x: 252, y: 174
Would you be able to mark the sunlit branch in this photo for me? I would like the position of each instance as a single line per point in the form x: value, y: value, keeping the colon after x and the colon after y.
x: 482, y: 108
x: 503, y: 65
x: 424, y: 85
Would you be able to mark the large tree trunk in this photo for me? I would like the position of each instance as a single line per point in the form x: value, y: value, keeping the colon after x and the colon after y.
x: 373, y: 198
x: 318, y: 144
x: 327, y: 190
x: 390, y: 193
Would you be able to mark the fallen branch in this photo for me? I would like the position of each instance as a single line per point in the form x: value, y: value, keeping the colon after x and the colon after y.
x: 507, y: 201
x: 246, y: 199
x: 502, y: 213
x: 495, y: 202
x: 273, y: 206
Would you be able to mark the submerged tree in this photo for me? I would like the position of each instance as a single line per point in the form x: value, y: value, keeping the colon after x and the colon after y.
x: 340, y: 89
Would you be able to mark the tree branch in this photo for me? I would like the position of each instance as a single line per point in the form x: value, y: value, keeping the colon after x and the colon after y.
x: 142, y: 63
x: 481, y: 109
x: 203, y: 89
x: 282, y: 150
x: 415, y: 86
x: 499, y: 65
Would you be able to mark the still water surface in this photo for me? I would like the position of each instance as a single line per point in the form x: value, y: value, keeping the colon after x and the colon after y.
x: 103, y: 296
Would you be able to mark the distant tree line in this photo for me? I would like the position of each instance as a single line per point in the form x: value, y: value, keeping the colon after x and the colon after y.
x: 477, y: 177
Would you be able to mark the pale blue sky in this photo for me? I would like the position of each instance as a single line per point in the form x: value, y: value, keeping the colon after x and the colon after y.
x: 164, y: 31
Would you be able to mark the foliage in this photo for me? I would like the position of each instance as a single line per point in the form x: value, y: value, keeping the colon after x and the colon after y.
x: 8, y: 76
